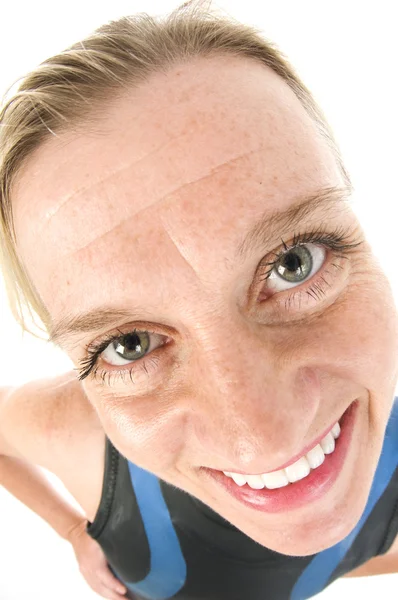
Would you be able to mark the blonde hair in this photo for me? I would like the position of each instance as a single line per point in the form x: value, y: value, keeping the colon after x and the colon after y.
x: 68, y: 89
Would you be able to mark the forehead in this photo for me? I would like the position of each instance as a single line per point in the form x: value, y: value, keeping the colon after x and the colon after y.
x: 162, y: 187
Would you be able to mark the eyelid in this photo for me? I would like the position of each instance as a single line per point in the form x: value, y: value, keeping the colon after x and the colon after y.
x: 279, y: 307
x: 130, y: 327
x: 95, y: 348
x: 150, y: 350
x: 340, y: 239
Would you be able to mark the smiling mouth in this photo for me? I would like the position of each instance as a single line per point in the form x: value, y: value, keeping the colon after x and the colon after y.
x: 297, y: 484
x: 297, y: 470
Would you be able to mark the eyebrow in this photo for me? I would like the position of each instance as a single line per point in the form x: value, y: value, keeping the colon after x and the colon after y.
x: 92, y: 321
x: 271, y: 226
x: 261, y: 235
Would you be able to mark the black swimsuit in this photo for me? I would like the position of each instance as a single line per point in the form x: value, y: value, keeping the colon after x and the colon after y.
x: 163, y: 543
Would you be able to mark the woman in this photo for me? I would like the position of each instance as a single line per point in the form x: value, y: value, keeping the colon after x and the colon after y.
x: 177, y: 213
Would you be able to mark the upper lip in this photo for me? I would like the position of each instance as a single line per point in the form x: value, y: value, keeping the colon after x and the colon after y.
x: 294, y: 458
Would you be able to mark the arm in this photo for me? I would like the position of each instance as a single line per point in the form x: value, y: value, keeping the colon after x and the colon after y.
x: 24, y: 480
x: 28, y: 483
x: 379, y: 565
x: 20, y: 411
x: 40, y: 423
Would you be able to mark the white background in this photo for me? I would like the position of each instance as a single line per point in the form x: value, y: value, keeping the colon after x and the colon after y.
x: 346, y: 53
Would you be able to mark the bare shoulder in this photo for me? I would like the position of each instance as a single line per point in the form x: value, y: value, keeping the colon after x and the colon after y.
x: 51, y: 423
x: 379, y: 565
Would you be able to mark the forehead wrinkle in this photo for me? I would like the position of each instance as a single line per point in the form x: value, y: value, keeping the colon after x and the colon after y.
x: 50, y: 214
x: 179, y: 250
x: 103, y: 237
x: 208, y: 130
x: 167, y: 197
x: 186, y: 132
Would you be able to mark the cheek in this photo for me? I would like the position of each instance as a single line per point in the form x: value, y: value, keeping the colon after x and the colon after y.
x: 354, y: 341
x: 372, y: 320
x: 143, y: 429
x: 359, y: 336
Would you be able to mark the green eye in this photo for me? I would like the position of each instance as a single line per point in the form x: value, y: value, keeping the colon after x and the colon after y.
x: 294, y: 266
x: 131, y: 346
x: 296, y: 263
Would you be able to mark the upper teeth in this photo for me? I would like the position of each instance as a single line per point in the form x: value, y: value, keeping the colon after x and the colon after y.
x: 298, y: 470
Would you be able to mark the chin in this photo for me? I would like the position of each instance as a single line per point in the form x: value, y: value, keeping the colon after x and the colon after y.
x: 316, y: 535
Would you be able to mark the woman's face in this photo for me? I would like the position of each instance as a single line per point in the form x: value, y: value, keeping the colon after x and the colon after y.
x: 137, y: 223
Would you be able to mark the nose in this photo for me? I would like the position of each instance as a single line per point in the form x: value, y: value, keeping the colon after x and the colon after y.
x: 253, y: 403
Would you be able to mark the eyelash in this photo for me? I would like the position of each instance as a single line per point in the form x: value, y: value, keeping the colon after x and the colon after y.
x: 338, y: 241
x: 89, y: 363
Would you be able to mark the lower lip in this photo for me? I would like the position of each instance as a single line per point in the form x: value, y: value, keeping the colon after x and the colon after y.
x: 309, y: 489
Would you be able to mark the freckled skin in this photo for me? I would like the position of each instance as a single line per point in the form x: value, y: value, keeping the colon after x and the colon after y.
x: 149, y: 211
